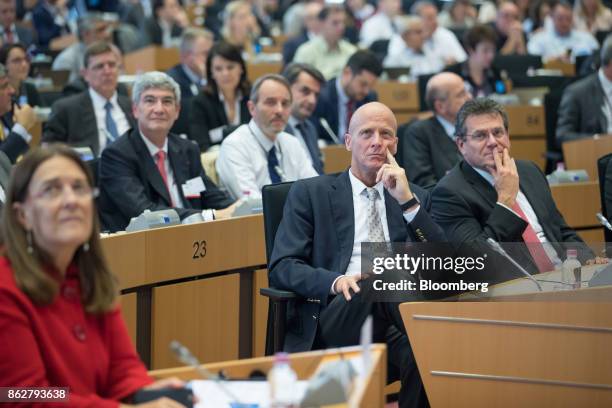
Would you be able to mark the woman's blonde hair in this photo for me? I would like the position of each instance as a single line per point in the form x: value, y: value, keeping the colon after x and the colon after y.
x: 99, y: 287
x: 230, y: 9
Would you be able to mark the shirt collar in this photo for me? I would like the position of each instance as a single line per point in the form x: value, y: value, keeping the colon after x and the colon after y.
x: 152, y: 148
x: 238, y: 96
x: 293, y: 121
x: 358, y: 187
x: 485, y: 175
x: 342, y: 97
x: 193, y: 77
x: 99, y: 101
x: 262, y: 139
x: 11, y: 29
x: 449, y: 128
x: 606, y: 84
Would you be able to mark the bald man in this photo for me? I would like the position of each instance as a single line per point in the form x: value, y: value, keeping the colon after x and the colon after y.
x: 317, y: 252
x: 428, y: 150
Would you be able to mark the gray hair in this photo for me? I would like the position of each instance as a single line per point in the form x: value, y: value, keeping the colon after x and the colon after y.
x: 87, y: 23
x: 434, y: 93
x: 405, y: 23
x: 254, y: 96
x: 477, y: 107
x: 155, y: 80
x: 189, y: 37
x: 418, y: 6
x: 606, y: 51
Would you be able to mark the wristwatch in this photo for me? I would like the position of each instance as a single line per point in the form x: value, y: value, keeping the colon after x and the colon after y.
x: 410, y: 203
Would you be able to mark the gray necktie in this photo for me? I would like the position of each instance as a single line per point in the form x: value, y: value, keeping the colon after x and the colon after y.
x: 375, y: 228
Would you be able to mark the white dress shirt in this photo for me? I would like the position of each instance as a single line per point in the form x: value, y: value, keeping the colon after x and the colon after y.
x: 548, y: 44
x: 532, y: 218
x: 377, y: 27
x: 119, y: 117
x: 299, y: 136
x: 420, y: 63
x: 606, y: 108
x: 242, y: 164
x: 360, y: 219
x: 445, y: 44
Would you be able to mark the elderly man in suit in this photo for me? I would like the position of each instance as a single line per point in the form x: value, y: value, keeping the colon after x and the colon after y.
x: 342, y: 96
x: 491, y: 195
x: 98, y: 116
x: 317, y: 251
x: 149, y: 168
x: 428, y: 146
x: 586, y: 105
x: 15, y: 128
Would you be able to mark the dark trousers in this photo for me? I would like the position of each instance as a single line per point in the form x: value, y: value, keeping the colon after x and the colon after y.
x: 340, y: 325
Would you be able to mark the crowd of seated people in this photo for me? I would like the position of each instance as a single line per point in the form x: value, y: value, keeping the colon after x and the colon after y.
x: 147, y: 141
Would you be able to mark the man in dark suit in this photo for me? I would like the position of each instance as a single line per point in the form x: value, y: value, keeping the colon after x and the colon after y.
x: 190, y: 73
x: 11, y: 33
x: 342, y: 96
x: 149, y: 168
x: 586, y: 105
x: 428, y: 148
x: 98, y: 116
x: 490, y: 195
x: 310, y: 16
x: 16, y: 121
x: 166, y: 25
x: 317, y: 250
x: 305, y: 81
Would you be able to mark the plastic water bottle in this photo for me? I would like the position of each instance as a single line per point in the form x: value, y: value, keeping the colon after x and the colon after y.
x: 282, y: 380
x: 570, y: 271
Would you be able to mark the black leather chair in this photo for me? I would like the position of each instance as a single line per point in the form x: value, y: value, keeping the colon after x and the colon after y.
x: 273, y: 199
x: 602, y: 165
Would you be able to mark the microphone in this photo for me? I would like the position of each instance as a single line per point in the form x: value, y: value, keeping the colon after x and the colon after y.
x: 329, y: 131
x: 185, y: 356
x: 498, y: 248
x: 604, y: 221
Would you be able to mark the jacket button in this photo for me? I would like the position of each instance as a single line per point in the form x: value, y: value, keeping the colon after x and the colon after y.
x: 314, y: 317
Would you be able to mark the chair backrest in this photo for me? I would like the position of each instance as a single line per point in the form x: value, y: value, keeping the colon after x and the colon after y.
x: 273, y: 199
x: 517, y: 64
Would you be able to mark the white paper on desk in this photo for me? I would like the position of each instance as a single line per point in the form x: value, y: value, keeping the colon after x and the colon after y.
x: 211, y: 396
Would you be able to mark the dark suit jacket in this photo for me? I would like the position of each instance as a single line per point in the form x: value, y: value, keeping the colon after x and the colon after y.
x: 291, y: 45
x: 181, y: 126
x: 13, y: 144
x: 31, y: 93
x: 464, y: 205
x: 327, y: 107
x: 152, y: 32
x: 427, y: 151
x: 131, y: 183
x: 26, y: 36
x: 207, y: 113
x: 580, y: 112
x: 44, y: 24
x: 73, y: 121
x: 311, y: 140
x: 314, y: 244
x: 5, y: 174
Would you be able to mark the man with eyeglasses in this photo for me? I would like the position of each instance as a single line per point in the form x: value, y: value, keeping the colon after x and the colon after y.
x: 489, y: 194
x: 97, y: 116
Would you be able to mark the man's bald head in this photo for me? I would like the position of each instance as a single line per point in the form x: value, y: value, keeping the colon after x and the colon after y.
x: 445, y: 93
x: 369, y: 110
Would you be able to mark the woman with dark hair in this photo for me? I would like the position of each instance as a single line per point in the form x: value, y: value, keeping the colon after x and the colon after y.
x: 480, y: 77
x: 15, y: 58
x: 223, y: 102
x: 60, y: 324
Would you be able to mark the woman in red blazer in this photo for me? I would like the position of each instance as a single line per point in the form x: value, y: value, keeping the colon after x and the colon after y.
x: 60, y: 324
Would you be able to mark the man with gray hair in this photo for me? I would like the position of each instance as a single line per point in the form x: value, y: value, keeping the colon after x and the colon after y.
x: 149, y: 168
x: 586, y: 105
x: 190, y: 72
x: 16, y: 127
x: 260, y: 152
x: 90, y: 29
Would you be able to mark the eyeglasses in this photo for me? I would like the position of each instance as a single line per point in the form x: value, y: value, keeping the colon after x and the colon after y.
x: 481, y: 135
x: 54, y: 190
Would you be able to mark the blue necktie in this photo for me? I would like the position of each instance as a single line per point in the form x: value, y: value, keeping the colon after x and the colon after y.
x: 272, y: 164
x: 111, y: 126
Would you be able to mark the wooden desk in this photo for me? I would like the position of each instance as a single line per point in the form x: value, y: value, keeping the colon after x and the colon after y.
x: 150, y: 58
x: 367, y: 393
x: 578, y: 203
x: 584, y: 153
x: 401, y: 98
x: 528, y: 133
x: 335, y: 158
x: 194, y: 283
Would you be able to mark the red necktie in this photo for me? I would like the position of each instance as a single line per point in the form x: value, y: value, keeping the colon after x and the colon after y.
x: 8, y: 34
x: 536, y: 249
x: 160, y: 161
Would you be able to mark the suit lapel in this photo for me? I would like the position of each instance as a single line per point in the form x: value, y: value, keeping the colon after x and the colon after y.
x: 87, y: 118
x: 445, y: 143
x: 395, y: 220
x: 599, y: 96
x: 126, y: 107
x: 150, y: 168
x: 481, y: 186
x: 343, y: 214
x: 179, y: 166
x: 334, y: 114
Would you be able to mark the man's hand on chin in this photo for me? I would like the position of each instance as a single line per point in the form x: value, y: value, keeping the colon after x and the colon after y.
x: 506, y: 178
x: 394, y: 180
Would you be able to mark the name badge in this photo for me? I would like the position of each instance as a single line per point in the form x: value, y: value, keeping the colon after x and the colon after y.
x: 194, y: 187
